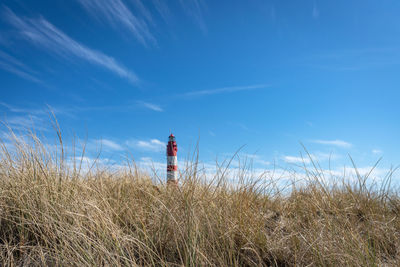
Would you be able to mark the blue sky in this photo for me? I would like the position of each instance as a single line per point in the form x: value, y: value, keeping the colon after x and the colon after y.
x: 266, y: 74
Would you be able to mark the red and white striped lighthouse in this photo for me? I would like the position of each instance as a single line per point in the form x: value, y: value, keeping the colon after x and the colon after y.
x: 172, y: 161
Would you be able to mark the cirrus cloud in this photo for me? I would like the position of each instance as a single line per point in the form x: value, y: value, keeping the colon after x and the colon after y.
x: 46, y: 36
x: 153, y: 145
x: 339, y: 143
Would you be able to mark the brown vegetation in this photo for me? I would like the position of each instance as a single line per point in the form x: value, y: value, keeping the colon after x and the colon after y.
x: 52, y: 214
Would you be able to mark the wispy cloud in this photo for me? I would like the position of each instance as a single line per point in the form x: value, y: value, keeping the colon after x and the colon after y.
x: 110, y: 145
x: 339, y: 143
x: 16, y: 109
x: 21, y: 122
x: 46, y: 36
x: 140, y: 7
x: 151, y: 165
x: 118, y: 15
x: 195, y: 9
x: 315, y: 12
x: 163, y: 9
x: 352, y: 59
x: 225, y: 90
x: 293, y: 159
x: 11, y: 64
x: 320, y: 156
x: 150, y: 106
x: 256, y: 159
x: 44, y: 111
x: 377, y: 151
x: 30, y: 116
x: 315, y: 157
x: 154, y: 145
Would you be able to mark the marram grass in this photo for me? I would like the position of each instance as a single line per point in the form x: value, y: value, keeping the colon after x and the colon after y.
x: 54, y: 214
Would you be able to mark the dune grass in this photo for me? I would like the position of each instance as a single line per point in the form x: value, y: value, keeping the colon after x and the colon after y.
x: 53, y: 213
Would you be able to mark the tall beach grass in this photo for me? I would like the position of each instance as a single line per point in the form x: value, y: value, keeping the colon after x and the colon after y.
x: 55, y: 213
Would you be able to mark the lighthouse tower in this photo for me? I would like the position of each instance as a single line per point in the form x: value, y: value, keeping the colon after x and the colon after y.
x: 172, y: 161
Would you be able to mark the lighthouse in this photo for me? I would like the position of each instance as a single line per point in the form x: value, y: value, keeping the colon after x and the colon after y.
x: 172, y: 161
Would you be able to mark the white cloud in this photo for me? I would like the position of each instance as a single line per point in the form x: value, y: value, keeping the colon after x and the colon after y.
x: 293, y: 159
x: 163, y: 9
x: 143, y: 10
x: 154, y: 145
x: 30, y: 117
x: 375, y: 173
x: 111, y: 145
x: 194, y: 9
x: 11, y: 64
x: 138, y: 22
x: 315, y: 12
x: 225, y: 90
x: 25, y: 122
x: 119, y: 15
x: 30, y: 111
x: 151, y: 106
x: 338, y: 143
x: 262, y: 162
x: 46, y: 36
x: 315, y: 157
x: 377, y: 151
x: 320, y: 156
x: 281, y: 178
x: 256, y: 159
x: 149, y: 164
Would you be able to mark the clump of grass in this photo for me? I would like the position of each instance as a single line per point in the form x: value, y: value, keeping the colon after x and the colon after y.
x: 53, y: 213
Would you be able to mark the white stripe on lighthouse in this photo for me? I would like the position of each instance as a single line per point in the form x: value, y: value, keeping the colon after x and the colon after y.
x: 172, y: 175
x: 172, y: 160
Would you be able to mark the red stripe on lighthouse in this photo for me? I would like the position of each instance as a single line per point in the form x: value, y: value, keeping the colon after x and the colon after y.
x: 172, y: 168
